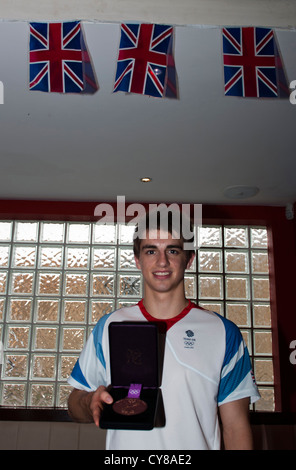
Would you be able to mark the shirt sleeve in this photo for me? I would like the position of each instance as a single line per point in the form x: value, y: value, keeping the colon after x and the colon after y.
x: 237, y: 379
x: 89, y: 371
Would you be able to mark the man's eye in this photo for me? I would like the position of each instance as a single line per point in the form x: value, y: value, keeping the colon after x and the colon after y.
x: 174, y: 252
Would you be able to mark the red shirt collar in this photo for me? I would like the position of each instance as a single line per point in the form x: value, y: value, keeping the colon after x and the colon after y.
x: 170, y: 321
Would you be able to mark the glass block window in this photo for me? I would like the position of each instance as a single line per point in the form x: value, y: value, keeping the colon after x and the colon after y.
x: 233, y: 280
x: 58, y: 278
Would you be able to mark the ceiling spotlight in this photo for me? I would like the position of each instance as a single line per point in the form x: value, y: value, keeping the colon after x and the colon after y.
x: 241, y: 192
x: 146, y: 179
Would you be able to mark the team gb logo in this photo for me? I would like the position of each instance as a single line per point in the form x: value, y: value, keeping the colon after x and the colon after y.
x: 189, y: 340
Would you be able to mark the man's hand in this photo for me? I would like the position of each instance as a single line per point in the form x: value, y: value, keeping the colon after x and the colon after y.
x: 86, y: 407
x: 99, y: 397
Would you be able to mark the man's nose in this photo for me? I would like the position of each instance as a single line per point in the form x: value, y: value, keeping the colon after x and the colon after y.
x: 163, y: 259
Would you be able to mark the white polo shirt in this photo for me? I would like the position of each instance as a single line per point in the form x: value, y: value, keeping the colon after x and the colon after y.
x: 206, y: 364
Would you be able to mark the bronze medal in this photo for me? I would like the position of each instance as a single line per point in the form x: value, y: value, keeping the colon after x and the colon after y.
x: 129, y: 406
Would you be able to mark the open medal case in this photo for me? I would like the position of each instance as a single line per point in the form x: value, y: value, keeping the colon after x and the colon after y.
x: 135, y: 366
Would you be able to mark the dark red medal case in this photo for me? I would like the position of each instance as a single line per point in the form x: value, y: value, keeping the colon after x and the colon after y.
x: 135, y: 358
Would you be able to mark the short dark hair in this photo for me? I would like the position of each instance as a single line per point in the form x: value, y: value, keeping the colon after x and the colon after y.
x: 154, y: 220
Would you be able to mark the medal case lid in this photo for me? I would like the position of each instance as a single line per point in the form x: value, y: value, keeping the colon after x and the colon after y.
x: 134, y: 354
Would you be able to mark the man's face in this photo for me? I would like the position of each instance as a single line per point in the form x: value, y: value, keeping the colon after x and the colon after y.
x: 162, y: 261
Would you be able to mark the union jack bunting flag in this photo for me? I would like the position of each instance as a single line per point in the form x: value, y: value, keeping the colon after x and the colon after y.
x: 59, y: 60
x: 252, y: 63
x: 145, y: 61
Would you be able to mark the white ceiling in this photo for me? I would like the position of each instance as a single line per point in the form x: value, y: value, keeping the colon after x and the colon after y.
x: 94, y: 148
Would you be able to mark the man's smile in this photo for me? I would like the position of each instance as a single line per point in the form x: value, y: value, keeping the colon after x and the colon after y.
x: 162, y: 274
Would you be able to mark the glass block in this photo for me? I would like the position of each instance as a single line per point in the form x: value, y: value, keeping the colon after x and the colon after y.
x: 51, y: 257
x: 74, y: 311
x: 104, y: 233
x: 24, y: 257
x: 213, y: 307
x: 52, y: 232
x: 126, y: 234
x: 126, y: 259
x: 18, y: 337
x: 236, y: 237
x: 26, y: 231
x: 77, y: 258
x: 210, y: 236
x: 190, y: 286
x: 41, y: 395
x: 261, y: 289
x: 43, y: 367
x: 99, y: 309
x: 236, y: 262
x: 63, y: 395
x: 2, y: 305
x: 22, y: 283
x: 5, y: 231
x: 260, y: 262
x: 104, y: 258
x: 129, y: 285
x: 78, y: 233
x: 264, y: 371
x: 4, y: 256
x: 261, y: 315
x: 76, y: 284
x: 259, y: 238
x: 66, y: 366
x: 15, y: 365
x: 239, y: 313
x: 210, y: 287
x: 237, y: 288
x: 266, y: 402
x: 73, y: 339
x: 45, y: 338
x: 263, y: 342
x: 49, y: 283
x: 20, y: 310
x: 210, y: 261
x: 3, y: 279
x: 121, y: 303
x: 47, y: 310
x: 103, y: 284
x: 13, y: 394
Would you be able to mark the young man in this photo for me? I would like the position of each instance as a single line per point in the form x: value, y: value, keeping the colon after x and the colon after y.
x: 207, y: 377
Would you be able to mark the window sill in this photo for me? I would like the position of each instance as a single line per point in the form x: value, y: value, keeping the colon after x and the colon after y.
x: 34, y: 414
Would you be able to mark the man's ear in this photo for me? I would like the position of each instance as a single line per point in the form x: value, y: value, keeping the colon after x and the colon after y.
x: 190, y: 261
x: 138, y: 264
